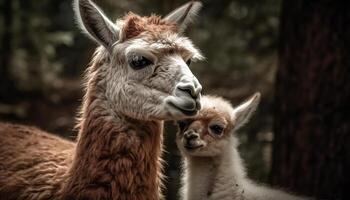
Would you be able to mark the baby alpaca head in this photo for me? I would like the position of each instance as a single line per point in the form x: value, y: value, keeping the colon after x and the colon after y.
x: 208, y: 134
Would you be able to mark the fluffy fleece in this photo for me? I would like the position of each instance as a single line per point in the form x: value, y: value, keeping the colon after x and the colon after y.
x: 213, y: 168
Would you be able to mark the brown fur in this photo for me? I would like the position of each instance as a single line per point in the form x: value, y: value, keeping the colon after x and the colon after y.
x: 153, y: 26
x: 33, y: 163
x: 115, y: 162
x: 112, y: 159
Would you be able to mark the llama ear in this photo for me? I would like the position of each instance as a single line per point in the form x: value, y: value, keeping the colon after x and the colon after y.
x: 95, y: 24
x: 244, y: 111
x: 184, y: 14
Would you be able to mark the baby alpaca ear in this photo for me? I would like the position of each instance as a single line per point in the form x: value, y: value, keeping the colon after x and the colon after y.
x: 244, y: 111
x: 95, y: 24
x: 185, y: 14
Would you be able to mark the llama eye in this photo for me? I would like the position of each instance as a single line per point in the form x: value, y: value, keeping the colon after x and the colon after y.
x: 139, y: 62
x: 216, y: 129
x: 188, y: 62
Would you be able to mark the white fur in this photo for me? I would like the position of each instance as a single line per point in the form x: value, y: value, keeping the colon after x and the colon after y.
x: 225, y: 178
x: 167, y: 42
x: 216, y: 171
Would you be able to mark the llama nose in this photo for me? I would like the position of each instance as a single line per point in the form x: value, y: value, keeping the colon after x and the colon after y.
x: 193, y: 89
x: 190, y: 135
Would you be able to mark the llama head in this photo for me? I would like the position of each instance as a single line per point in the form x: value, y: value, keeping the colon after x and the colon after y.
x: 142, y: 65
x: 209, y: 133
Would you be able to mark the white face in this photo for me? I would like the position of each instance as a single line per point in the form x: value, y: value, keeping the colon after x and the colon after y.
x: 151, y: 79
x: 209, y: 133
x: 203, y: 137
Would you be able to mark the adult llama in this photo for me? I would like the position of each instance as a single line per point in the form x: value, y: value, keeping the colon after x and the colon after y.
x: 138, y: 77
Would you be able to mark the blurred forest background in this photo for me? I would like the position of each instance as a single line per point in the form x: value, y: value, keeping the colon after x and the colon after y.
x: 44, y: 55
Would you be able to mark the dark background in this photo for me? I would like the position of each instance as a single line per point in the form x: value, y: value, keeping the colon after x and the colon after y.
x: 294, y: 52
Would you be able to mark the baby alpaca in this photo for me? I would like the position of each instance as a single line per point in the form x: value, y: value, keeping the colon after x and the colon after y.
x: 213, y: 168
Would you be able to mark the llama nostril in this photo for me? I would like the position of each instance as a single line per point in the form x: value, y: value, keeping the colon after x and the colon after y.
x: 189, y: 89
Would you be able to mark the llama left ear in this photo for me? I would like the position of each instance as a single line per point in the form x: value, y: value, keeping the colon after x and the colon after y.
x: 244, y: 111
x: 95, y: 24
x: 184, y: 14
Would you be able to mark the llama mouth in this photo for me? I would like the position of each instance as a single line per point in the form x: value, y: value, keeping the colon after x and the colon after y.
x: 192, y: 144
x: 192, y: 147
x: 184, y: 111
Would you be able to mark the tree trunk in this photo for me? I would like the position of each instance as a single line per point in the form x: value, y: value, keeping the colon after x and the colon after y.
x: 312, y: 128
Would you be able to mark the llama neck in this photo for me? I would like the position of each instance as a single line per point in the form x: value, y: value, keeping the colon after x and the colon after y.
x: 214, y: 177
x: 116, y: 157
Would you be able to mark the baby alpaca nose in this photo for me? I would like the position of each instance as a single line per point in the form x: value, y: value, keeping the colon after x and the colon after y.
x: 190, y: 135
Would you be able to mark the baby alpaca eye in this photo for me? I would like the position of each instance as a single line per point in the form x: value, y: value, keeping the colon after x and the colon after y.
x: 216, y: 129
x: 139, y: 62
